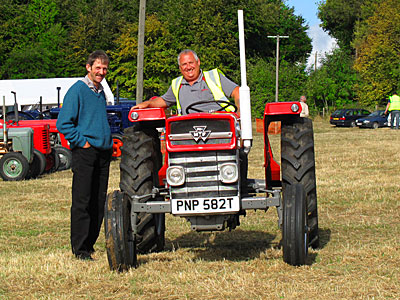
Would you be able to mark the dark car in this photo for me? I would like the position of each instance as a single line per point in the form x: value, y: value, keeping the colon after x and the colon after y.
x: 348, y: 116
x: 375, y: 120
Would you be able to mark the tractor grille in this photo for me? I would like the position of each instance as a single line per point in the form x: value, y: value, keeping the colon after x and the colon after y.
x: 42, y: 138
x: 200, y: 132
x: 46, y: 139
x: 202, y: 174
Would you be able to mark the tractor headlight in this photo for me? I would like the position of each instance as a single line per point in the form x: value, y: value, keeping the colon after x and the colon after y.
x: 294, y: 108
x: 175, y: 175
x: 134, y: 115
x: 228, y: 173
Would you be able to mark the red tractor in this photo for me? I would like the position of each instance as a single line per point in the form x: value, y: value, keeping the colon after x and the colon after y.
x: 201, y: 180
x: 204, y: 178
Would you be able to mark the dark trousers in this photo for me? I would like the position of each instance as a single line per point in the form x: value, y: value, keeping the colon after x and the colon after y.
x: 90, y: 169
x: 394, y: 116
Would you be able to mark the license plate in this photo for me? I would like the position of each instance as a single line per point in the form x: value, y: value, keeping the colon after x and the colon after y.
x: 359, y: 123
x: 205, y: 205
x: 336, y: 119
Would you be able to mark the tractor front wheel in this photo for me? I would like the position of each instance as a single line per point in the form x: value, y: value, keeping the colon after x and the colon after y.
x: 294, y: 228
x: 37, y: 165
x: 120, y: 243
x: 52, y: 161
x: 13, y: 166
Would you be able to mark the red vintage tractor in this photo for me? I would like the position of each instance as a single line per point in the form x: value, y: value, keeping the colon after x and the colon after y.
x: 204, y: 178
x: 45, y: 156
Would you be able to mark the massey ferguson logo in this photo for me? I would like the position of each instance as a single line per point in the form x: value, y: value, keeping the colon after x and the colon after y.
x: 200, y: 132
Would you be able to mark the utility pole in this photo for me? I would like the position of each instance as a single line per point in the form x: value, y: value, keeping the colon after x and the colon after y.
x: 316, y: 60
x: 140, y: 56
x: 277, y: 37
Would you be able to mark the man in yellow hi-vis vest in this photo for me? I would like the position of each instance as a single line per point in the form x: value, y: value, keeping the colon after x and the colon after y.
x: 195, y: 85
x: 393, y: 107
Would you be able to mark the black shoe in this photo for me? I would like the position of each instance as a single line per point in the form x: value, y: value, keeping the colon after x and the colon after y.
x: 84, y: 256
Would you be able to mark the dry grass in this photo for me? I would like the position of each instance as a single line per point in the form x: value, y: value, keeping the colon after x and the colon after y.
x: 359, y: 214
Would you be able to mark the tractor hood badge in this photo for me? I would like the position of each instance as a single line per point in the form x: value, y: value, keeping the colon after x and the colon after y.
x: 200, y: 133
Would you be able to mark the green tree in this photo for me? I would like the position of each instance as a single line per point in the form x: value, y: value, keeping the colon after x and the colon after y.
x: 210, y: 28
x: 159, y: 60
x: 38, y: 38
x: 96, y: 25
x: 262, y: 82
x: 379, y: 54
x: 339, y: 18
x: 332, y: 85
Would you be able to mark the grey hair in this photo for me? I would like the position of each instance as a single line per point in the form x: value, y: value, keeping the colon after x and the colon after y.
x: 186, y: 51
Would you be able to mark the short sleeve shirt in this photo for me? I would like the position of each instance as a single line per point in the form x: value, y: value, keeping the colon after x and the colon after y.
x: 197, y: 92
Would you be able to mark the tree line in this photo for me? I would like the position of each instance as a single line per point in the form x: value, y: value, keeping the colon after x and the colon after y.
x: 52, y: 38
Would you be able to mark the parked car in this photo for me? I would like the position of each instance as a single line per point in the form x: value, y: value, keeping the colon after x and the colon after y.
x: 348, y: 116
x: 375, y: 120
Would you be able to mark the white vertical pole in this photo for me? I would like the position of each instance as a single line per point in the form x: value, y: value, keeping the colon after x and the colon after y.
x: 244, y: 91
x: 140, y: 57
x: 277, y: 70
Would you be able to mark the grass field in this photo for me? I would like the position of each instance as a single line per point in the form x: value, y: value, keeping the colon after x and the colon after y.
x: 358, y: 180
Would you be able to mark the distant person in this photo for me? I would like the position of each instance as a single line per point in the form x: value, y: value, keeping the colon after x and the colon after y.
x: 83, y: 121
x: 304, y: 107
x: 393, y: 107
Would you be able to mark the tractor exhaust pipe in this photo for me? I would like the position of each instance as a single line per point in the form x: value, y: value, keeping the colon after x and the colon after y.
x: 15, y: 107
x: 4, y: 122
x: 58, y: 96
x: 41, y: 108
x: 244, y: 91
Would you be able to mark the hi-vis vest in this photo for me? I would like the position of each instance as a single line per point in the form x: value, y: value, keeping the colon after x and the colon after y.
x: 213, y: 82
x: 394, y: 103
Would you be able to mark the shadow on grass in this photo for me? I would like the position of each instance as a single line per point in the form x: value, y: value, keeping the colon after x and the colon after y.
x: 236, y: 245
x: 324, y: 237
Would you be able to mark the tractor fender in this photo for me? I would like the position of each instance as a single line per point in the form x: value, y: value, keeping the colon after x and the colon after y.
x: 147, y: 114
x: 282, y: 108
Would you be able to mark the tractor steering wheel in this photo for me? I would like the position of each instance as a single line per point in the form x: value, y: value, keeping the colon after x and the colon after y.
x: 193, y: 105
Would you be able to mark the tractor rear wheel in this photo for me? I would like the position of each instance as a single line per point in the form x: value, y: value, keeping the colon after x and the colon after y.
x: 294, y: 226
x: 141, y: 160
x: 120, y: 244
x: 13, y: 166
x: 298, y: 166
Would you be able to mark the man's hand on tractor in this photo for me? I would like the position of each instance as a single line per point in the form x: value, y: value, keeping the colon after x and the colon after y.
x: 153, y: 102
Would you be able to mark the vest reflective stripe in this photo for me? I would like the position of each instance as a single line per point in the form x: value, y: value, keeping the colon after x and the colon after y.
x: 213, y: 81
x: 394, y: 103
x: 176, y: 85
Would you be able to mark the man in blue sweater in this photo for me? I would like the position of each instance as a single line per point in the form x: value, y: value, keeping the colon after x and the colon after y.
x: 83, y: 121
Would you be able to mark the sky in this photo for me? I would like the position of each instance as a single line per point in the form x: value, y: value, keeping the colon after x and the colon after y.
x: 321, y: 41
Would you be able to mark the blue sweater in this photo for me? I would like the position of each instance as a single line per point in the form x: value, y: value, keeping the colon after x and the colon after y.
x: 83, y: 117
